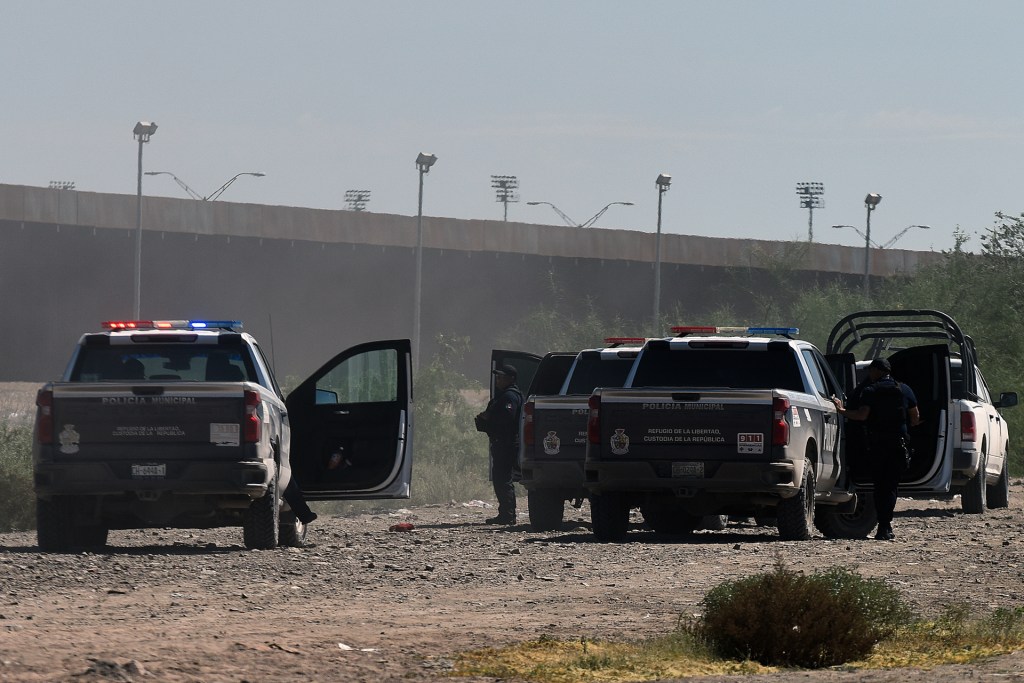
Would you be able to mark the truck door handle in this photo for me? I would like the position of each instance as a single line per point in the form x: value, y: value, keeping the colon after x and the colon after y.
x: 341, y: 412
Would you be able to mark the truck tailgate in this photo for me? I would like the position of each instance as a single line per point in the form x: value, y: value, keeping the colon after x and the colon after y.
x: 682, y: 424
x: 188, y: 420
x: 560, y: 428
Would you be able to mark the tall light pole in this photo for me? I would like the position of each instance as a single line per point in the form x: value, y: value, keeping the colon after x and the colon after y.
x: 870, y: 202
x: 423, y: 163
x: 505, y: 188
x: 811, y: 199
x: 662, y: 182
x: 212, y: 196
x: 585, y: 224
x: 143, y: 131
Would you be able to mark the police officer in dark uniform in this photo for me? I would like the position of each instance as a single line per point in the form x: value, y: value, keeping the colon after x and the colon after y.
x: 887, y: 407
x: 500, y: 421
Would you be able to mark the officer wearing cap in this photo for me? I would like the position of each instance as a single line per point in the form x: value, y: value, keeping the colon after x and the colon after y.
x: 887, y: 408
x: 500, y: 421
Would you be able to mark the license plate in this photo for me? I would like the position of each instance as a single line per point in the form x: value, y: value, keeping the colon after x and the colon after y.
x: 688, y: 469
x: 149, y: 471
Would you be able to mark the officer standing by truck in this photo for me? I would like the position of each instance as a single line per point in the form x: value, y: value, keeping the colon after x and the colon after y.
x: 500, y: 421
x: 887, y: 407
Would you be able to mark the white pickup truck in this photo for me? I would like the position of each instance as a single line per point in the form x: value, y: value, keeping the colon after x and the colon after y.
x: 182, y: 424
x: 962, y: 443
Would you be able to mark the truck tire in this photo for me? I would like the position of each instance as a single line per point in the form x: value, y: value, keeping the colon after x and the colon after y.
x: 999, y: 493
x: 59, y: 529
x: 291, y: 532
x: 856, y: 524
x: 93, y: 536
x: 55, y: 524
x: 972, y: 498
x: 610, y: 516
x: 260, y: 523
x: 795, y: 516
x: 546, y: 510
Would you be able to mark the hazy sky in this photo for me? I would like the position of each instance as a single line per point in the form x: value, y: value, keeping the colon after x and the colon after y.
x: 921, y: 101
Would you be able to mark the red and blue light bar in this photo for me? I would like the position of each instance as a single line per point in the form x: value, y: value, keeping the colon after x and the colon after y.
x: 171, y: 324
x: 711, y: 329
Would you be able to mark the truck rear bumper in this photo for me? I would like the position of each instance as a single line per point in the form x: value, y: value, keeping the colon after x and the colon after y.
x: 230, y: 478
x: 561, y: 475
x: 965, y: 464
x: 772, y: 480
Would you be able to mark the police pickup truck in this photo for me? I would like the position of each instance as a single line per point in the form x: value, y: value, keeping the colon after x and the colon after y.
x: 720, y: 420
x: 962, y: 443
x: 182, y: 424
x: 554, y: 428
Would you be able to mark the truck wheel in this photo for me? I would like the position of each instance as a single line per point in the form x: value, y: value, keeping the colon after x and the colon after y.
x: 259, y: 525
x: 546, y: 510
x: 856, y: 524
x: 610, y: 516
x: 972, y: 498
x: 795, y: 516
x: 93, y: 536
x: 55, y: 520
x: 291, y: 532
x: 999, y: 493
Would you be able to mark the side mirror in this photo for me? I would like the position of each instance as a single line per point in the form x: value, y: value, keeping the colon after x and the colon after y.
x: 1007, y: 399
x: 325, y: 397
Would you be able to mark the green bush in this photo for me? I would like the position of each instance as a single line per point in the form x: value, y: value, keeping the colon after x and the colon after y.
x: 783, y: 618
x: 17, y: 499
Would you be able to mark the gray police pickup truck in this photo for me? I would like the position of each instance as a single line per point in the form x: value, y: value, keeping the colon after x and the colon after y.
x: 739, y: 424
x: 554, y: 431
x: 182, y: 424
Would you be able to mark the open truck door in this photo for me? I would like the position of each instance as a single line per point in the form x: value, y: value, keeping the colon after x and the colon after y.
x: 351, y: 425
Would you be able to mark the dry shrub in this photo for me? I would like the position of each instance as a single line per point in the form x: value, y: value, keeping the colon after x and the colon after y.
x: 782, y: 618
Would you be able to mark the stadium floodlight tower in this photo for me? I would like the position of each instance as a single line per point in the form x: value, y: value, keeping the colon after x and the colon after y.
x: 811, y: 198
x: 505, y: 187
x: 357, y: 199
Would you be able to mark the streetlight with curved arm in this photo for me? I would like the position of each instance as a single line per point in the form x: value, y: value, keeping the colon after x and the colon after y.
x: 216, y: 193
x: 587, y: 223
x: 903, y: 232
x: 593, y: 219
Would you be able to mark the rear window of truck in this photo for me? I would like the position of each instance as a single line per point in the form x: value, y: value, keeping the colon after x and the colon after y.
x: 592, y: 372
x: 721, y: 368
x: 199, y: 363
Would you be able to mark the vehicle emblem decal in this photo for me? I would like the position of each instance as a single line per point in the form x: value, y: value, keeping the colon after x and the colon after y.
x: 620, y: 442
x: 552, y: 443
x: 69, y: 439
x: 796, y: 416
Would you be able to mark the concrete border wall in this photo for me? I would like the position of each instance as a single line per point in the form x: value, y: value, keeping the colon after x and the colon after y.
x: 311, y: 282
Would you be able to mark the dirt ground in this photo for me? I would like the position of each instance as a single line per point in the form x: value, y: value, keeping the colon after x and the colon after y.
x: 362, y: 603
